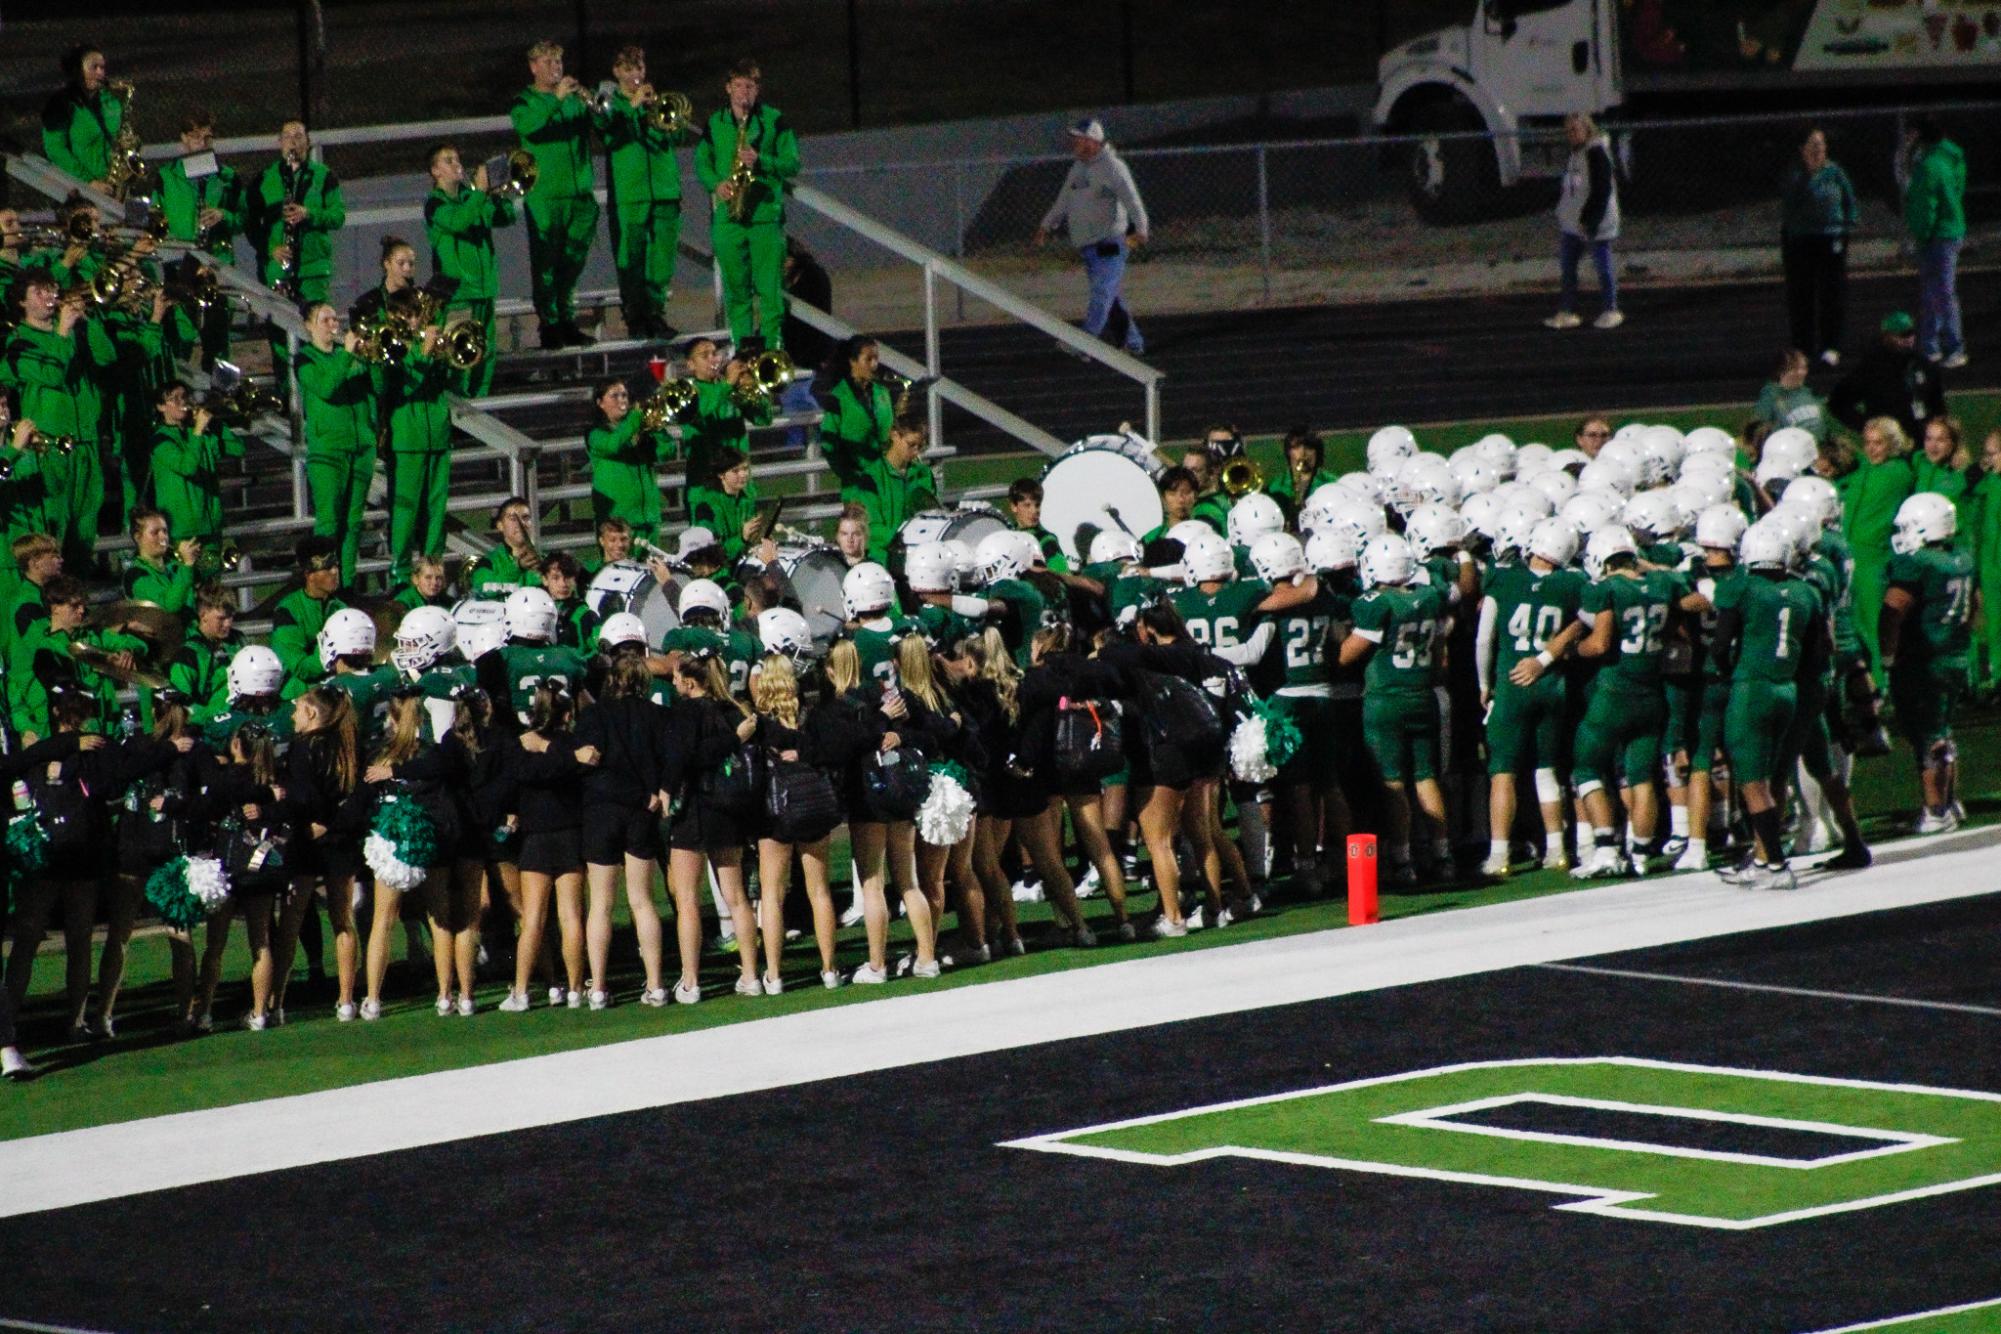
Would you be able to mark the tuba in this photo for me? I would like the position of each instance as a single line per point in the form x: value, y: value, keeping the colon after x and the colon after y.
x: 383, y: 338
x: 38, y: 442
x: 668, y: 403
x: 1241, y: 476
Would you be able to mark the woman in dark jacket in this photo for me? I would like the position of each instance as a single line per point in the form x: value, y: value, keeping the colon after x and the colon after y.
x: 322, y: 774
x: 881, y: 848
x: 984, y: 680
x: 239, y: 796
x: 148, y: 837
x: 548, y: 764
x: 625, y: 800
x: 409, y: 766
x: 710, y: 726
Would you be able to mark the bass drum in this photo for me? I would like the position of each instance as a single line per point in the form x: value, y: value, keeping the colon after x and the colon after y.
x: 968, y: 524
x: 815, y: 573
x: 626, y: 585
x: 1094, y: 488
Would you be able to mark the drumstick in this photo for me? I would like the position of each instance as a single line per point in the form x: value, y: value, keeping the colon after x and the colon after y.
x: 1113, y: 511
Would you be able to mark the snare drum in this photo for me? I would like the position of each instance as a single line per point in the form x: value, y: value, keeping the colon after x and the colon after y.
x: 626, y: 585
x: 1095, y: 488
x: 815, y: 573
x: 968, y: 523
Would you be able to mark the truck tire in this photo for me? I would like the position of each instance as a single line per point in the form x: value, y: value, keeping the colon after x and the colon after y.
x: 1451, y: 180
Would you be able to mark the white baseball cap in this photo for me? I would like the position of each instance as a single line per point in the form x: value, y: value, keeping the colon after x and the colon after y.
x: 1088, y: 128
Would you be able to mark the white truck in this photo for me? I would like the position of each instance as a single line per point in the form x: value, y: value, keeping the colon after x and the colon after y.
x: 1482, y: 102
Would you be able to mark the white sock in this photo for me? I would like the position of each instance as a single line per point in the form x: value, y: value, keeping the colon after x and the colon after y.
x: 1698, y: 848
x: 1497, y: 850
x: 1552, y: 844
x: 1678, y: 821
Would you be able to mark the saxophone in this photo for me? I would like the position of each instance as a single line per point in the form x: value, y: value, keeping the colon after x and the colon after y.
x: 287, y: 281
x: 742, y: 176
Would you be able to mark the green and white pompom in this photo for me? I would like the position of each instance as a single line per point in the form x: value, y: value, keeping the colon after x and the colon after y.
x: 402, y: 844
x: 1262, y: 743
x: 187, y: 889
x: 946, y: 816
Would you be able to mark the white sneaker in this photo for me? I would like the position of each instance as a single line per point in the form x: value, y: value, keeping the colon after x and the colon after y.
x: 444, y: 1007
x: 254, y: 1023
x: 1563, y: 319
x: 1611, y: 319
x: 1777, y: 877
x: 1224, y: 918
x: 557, y: 996
x: 852, y: 917
x: 345, y: 1013
x: 599, y: 998
x: 1027, y: 890
x: 573, y: 1000
x: 1195, y: 921
x: 1956, y: 811
x: 654, y: 996
x: 1089, y: 883
x: 773, y: 984
x: 687, y: 995
x: 1692, y: 859
x: 831, y: 979
x: 921, y: 969
x: 1495, y: 868
x: 1955, y: 361
x: 868, y: 975
x: 749, y: 986
x: 13, y: 1065
x: 1604, y: 864
x: 1015, y: 948
x: 466, y: 1007
x: 1933, y: 822
x: 516, y: 1003
x: 1166, y: 930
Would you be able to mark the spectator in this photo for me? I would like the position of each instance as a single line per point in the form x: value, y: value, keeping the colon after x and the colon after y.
x: 1818, y: 216
x: 1944, y: 464
x: 1587, y: 218
x: 1786, y: 400
x: 806, y: 280
x: 851, y: 536
x: 1870, y: 495
x: 1935, y: 214
x: 1891, y: 381
x: 1101, y: 205
x: 1592, y: 433
x: 1985, y: 660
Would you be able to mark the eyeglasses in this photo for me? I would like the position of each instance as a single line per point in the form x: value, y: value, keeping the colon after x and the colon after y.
x: 1594, y: 433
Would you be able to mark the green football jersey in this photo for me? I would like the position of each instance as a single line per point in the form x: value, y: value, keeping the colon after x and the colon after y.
x: 1225, y: 618
x: 227, y: 724
x: 739, y: 649
x: 1301, y: 655
x: 1833, y: 548
x: 1403, y: 624
x: 1938, y: 629
x: 529, y: 665
x: 943, y: 626
x: 878, y: 653
x: 369, y: 692
x: 1530, y: 609
x: 1722, y: 587
x: 1778, y: 616
x: 1639, y: 609
x: 1027, y: 612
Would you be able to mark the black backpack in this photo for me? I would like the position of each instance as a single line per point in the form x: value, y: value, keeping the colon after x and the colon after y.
x: 800, y: 804
x: 897, y: 781
x: 1179, y: 712
x: 1090, y: 740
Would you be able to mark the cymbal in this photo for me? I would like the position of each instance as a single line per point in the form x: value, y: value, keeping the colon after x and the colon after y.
x: 148, y: 620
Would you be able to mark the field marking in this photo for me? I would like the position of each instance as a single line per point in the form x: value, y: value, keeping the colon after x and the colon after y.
x: 1895, y: 1320
x: 1810, y: 993
x: 1596, y: 1199
x: 69, y: 1168
x: 35, y: 1328
x: 1440, y: 1118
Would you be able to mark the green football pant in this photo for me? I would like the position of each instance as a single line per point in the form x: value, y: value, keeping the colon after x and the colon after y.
x: 311, y: 292
x: 1401, y: 729
x: 1757, y: 724
x: 1708, y: 727
x: 560, y: 232
x: 644, y: 241
x: 417, y: 488
x: 1925, y: 694
x: 1620, y: 737
x: 338, y: 482
x: 1525, y: 727
x: 752, y: 259
x: 1811, y: 743
x: 478, y: 381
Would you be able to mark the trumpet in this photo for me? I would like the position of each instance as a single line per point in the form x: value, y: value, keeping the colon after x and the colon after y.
x: 39, y: 442
x: 669, y: 403
x: 768, y: 375
x: 224, y: 554
x: 1241, y: 476
x: 521, y: 173
x: 901, y: 388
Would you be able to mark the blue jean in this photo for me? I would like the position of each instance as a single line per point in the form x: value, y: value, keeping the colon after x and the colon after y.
x: 1106, y: 273
x: 1569, y: 250
x: 1938, y: 299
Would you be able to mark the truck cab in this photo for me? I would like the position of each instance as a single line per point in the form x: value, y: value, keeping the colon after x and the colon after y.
x: 1512, y: 73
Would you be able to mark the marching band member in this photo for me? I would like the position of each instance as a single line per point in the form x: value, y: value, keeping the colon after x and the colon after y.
x: 189, y: 445
x: 460, y: 217
x: 643, y: 187
x: 553, y: 119
x: 623, y: 458
x: 206, y: 212
x: 747, y: 158
x: 339, y: 398
x: 293, y: 211
x: 80, y: 122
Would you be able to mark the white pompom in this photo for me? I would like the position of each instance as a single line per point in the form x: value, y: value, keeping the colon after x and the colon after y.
x: 390, y: 870
x: 207, y: 882
x: 946, y: 816
x: 1249, y: 761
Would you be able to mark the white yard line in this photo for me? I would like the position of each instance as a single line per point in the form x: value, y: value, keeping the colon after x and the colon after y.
x: 1895, y: 1320
x: 1808, y: 992
x: 111, y: 1162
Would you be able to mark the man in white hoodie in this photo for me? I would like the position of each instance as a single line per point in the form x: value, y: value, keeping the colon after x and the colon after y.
x: 1102, y: 207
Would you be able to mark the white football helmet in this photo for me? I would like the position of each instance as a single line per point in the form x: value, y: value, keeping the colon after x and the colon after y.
x: 1798, y: 531
x: 1187, y: 531
x: 347, y: 631
x: 1526, y: 496
x: 1426, y: 479
x: 1387, y: 560
x: 481, y: 628
x: 1207, y: 557
x: 1603, y: 474
x: 425, y: 635
x: 1254, y: 515
x: 1765, y: 546
x: 928, y: 567
x: 255, y: 670
x: 1475, y: 474
x: 1603, y: 545
x: 1531, y: 459
x: 1388, y: 448
x: 1569, y: 460
x: 1720, y: 527
x: 1333, y: 549
x: 1278, y: 558
x: 1704, y: 489
x: 1498, y: 452
x: 1554, y: 485
x: 1628, y: 431
x: 1553, y: 540
x: 1010, y: 553
x: 1665, y: 443
x: 1114, y: 545
x: 1816, y: 497
x: 1434, y: 528
x: 1621, y: 454
x: 1789, y: 450
x: 1366, y: 485
x: 1922, y: 519
x: 1773, y: 473
x: 704, y: 595
x: 531, y: 614
x: 784, y: 631
x: 868, y: 590
x: 1655, y: 514
x: 1362, y: 518
x: 965, y: 561
x: 1708, y: 440
x: 1483, y: 513
x: 1708, y: 464
x: 1588, y: 511
x: 621, y: 627
x: 1512, y: 534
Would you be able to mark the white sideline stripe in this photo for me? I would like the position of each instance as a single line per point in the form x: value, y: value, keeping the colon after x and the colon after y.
x: 1895, y: 1320
x: 76, y: 1167
x: 35, y: 1328
x: 1809, y: 992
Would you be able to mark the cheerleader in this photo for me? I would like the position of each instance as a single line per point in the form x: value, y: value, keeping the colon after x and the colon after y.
x: 409, y: 766
x: 625, y: 799
x: 322, y: 773
x: 148, y: 837
x: 706, y: 833
x: 824, y: 740
x: 548, y: 764
x: 987, y: 685
x: 882, y: 849
x: 1171, y: 774
x: 935, y: 727
x: 241, y: 799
